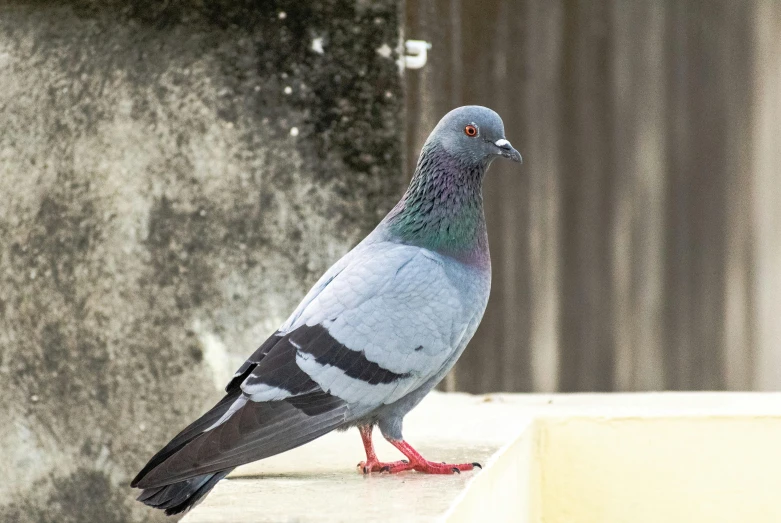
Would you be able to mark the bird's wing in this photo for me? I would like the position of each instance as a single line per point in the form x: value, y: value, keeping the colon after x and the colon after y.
x: 377, y: 325
x: 383, y: 326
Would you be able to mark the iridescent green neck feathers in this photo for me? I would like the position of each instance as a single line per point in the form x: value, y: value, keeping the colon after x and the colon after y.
x: 442, y: 209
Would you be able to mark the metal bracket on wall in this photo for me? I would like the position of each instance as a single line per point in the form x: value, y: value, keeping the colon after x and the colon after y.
x: 417, y: 53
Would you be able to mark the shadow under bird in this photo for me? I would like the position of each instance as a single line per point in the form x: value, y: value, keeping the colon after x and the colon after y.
x: 374, y: 335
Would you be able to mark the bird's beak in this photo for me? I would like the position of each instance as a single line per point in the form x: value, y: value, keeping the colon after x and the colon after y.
x: 508, y: 151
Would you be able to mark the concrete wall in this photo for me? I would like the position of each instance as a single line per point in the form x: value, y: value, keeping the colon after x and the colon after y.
x: 173, y: 176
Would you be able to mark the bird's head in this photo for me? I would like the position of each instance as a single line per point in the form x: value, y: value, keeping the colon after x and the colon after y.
x: 473, y: 135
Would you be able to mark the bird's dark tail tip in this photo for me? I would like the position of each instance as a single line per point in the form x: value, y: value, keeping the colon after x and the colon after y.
x: 182, y: 496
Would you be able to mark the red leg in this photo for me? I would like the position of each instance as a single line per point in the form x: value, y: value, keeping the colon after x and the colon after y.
x: 372, y: 464
x: 416, y: 461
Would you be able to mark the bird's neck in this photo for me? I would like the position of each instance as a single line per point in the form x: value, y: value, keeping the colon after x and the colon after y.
x: 442, y: 209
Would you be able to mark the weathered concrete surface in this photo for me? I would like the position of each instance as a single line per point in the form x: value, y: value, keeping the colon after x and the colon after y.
x: 173, y: 176
x: 318, y: 483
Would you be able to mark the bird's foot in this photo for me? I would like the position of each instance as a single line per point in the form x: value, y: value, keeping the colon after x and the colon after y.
x: 421, y: 464
x: 391, y: 467
x: 424, y: 466
x: 414, y: 460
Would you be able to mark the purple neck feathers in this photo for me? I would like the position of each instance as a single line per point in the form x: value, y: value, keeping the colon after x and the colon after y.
x: 442, y: 209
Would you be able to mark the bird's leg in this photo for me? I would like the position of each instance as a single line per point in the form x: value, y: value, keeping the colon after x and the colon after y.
x: 419, y: 463
x: 414, y: 462
x: 372, y: 464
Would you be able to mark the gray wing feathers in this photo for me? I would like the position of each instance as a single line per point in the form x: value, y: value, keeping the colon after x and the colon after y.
x: 401, y: 307
x: 253, y: 432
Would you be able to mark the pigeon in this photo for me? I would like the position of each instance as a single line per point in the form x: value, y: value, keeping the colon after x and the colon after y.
x: 373, y: 336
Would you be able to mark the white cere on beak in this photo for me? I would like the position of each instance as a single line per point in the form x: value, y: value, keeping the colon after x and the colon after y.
x: 501, y: 142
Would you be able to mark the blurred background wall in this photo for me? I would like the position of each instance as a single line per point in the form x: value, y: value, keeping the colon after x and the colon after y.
x: 173, y: 177
x: 639, y: 246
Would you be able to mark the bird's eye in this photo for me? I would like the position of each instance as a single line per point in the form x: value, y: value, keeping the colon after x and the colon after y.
x: 470, y: 130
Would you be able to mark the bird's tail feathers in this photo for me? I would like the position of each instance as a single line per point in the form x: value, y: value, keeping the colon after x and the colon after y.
x: 188, y: 434
x: 182, y: 496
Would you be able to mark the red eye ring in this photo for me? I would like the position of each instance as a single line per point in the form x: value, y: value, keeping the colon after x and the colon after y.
x: 470, y: 130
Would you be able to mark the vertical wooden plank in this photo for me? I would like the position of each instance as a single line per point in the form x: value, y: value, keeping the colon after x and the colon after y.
x: 736, y: 51
x: 766, y: 165
x: 697, y: 191
x: 506, y: 96
x: 586, y: 304
x: 637, y: 231
x: 678, y: 319
x: 542, y: 131
x: 706, y: 184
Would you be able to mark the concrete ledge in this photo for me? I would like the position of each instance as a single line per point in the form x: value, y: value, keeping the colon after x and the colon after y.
x: 598, y: 458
